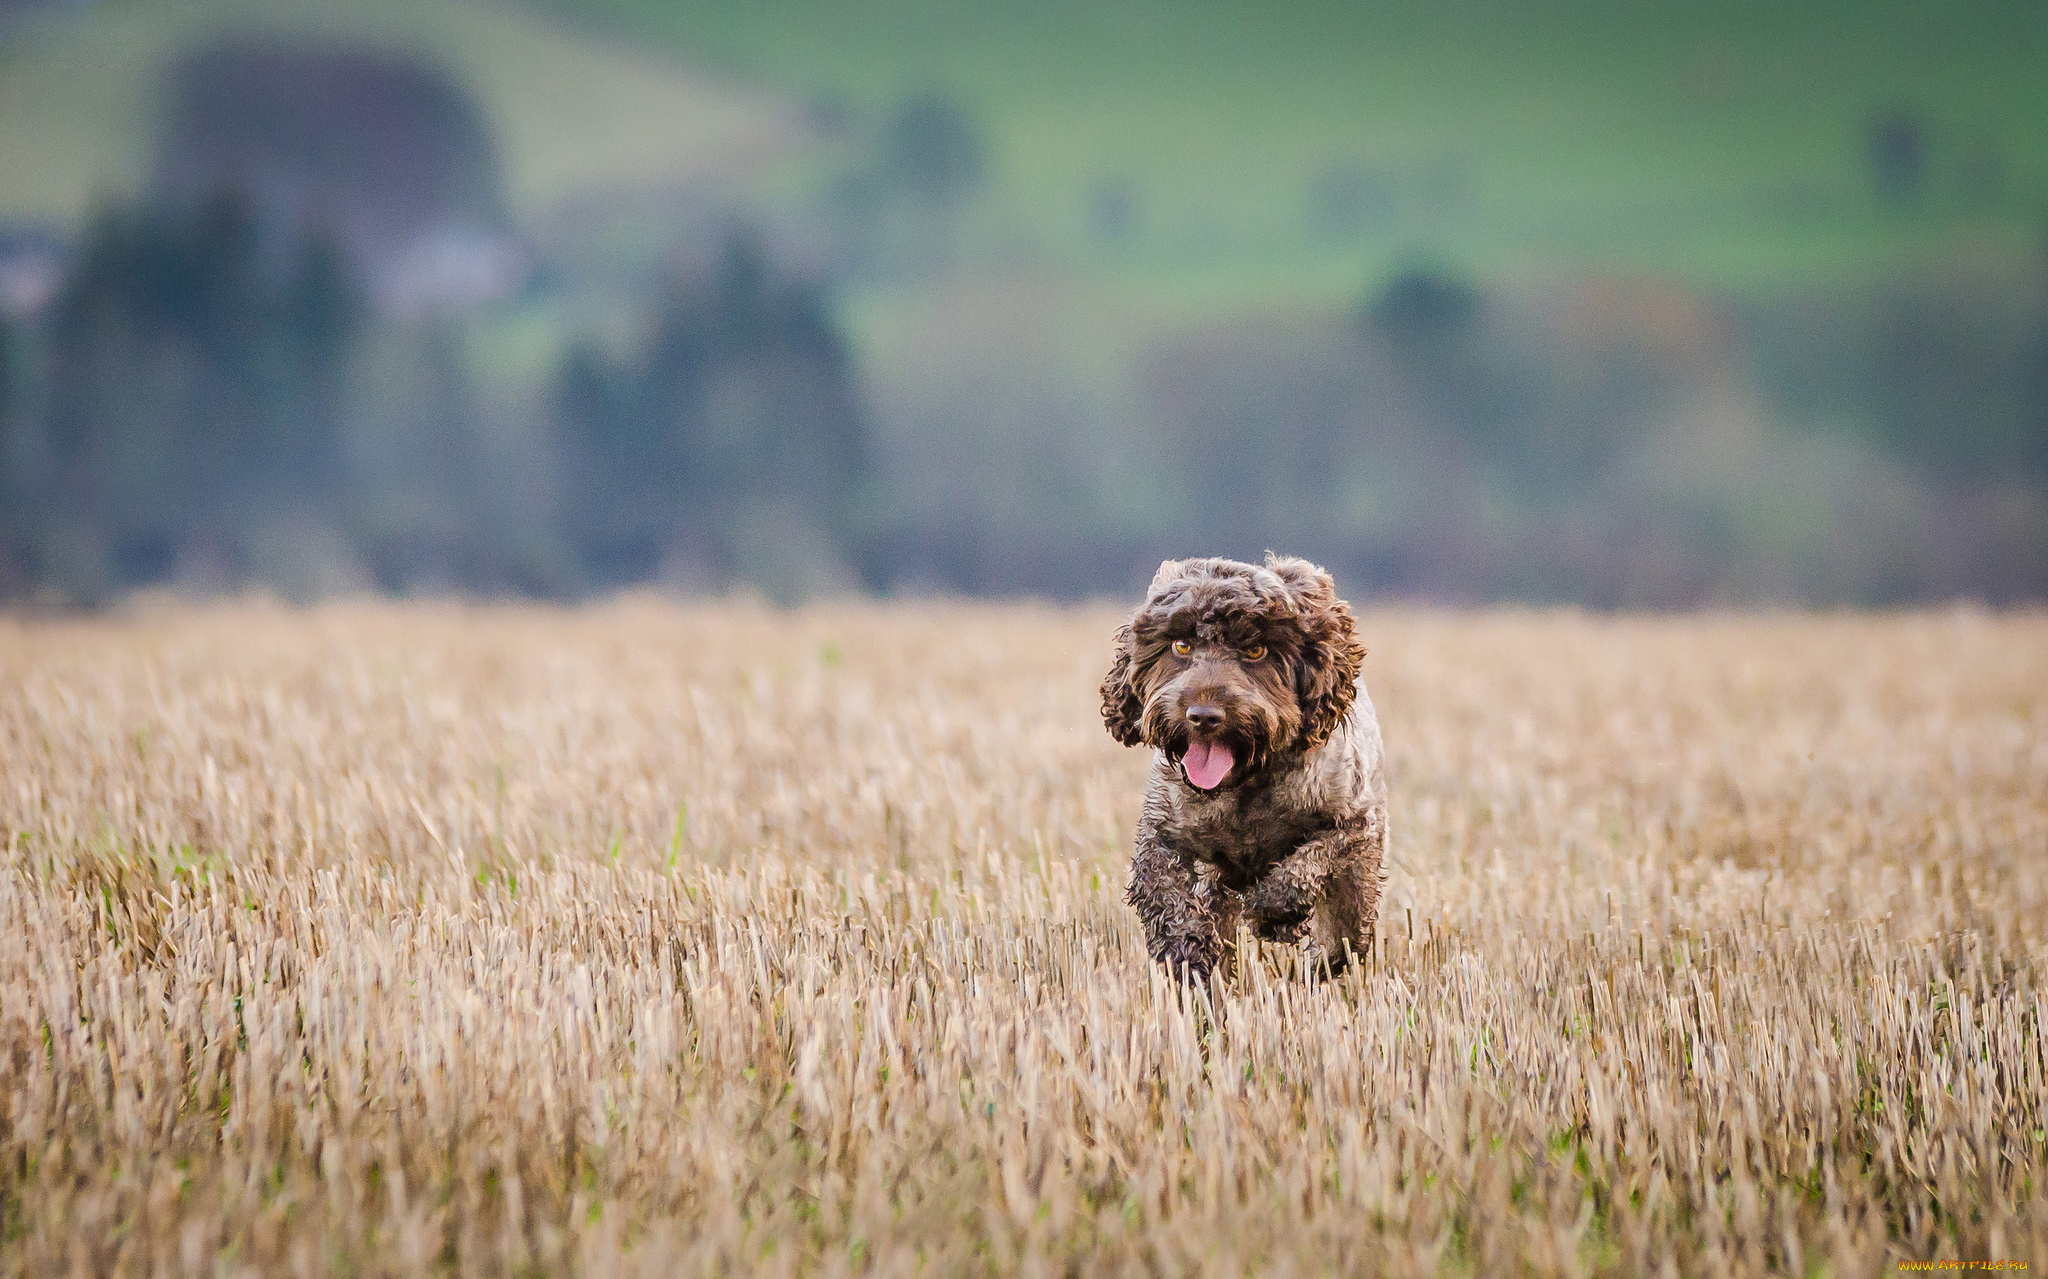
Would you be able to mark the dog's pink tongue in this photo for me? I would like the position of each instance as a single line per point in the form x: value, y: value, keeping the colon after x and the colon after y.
x: 1207, y: 764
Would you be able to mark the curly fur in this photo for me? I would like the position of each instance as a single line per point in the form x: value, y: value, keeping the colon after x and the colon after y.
x: 1264, y: 660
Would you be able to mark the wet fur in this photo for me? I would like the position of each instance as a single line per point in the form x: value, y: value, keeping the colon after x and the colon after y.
x: 1291, y: 843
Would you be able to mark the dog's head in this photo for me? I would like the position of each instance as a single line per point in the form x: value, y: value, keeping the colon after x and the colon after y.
x: 1228, y: 666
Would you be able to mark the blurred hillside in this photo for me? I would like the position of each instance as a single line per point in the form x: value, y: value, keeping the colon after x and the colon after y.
x: 1273, y: 151
x: 1594, y: 302
x: 81, y: 86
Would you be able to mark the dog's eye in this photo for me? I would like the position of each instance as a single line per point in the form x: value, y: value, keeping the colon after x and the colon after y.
x: 1181, y: 648
x: 1255, y: 652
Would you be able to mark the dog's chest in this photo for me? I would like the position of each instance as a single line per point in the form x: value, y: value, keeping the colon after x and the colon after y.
x: 1243, y: 834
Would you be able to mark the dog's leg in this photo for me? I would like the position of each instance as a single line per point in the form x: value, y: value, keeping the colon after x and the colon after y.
x: 1332, y: 881
x: 1348, y: 915
x: 1180, y: 925
x: 1226, y: 910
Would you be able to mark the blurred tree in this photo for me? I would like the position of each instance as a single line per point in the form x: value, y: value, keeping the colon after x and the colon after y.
x: 1429, y: 319
x: 1424, y: 304
x: 194, y: 384
x: 934, y: 149
x: 13, y: 495
x: 378, y: 148
x: 321, y: 316
x: 895, y: 206
x: 1113, y: 219
x: 443, y: 496
x: 1544, y: 404
x: 1896, y: 142
x: 1946, y: 370
x: 1950, y: 381
x: 743, y: 401
x: 623, y: 499
x: 8, y: 379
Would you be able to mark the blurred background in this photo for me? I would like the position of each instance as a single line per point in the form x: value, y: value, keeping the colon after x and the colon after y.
x: 1613, y: 302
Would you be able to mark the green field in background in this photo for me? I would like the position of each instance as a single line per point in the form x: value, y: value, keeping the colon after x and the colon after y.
x: 1723, y: 142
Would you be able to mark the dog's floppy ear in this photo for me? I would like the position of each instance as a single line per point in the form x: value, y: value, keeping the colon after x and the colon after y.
x: 1122, y: 708
x: 1331, y: 654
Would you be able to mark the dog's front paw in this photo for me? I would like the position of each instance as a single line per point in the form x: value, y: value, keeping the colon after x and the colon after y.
x: 1326, y: 963
x: 1189, y: 960
x: 1281, y: 932
x: 1279, y: 910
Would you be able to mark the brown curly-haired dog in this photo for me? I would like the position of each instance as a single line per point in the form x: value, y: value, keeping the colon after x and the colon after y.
x: 1267, y: 801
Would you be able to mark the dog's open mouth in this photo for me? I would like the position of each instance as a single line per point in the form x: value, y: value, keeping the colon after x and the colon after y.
x: 1207, y: 764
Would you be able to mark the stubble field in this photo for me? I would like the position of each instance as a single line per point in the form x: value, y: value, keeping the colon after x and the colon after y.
x: 652, y: 940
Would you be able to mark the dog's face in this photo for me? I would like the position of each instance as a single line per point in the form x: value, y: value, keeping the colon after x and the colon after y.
x: 1228, y: 666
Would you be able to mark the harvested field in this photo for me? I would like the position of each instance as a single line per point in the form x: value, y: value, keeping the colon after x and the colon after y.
x: 650, y: 940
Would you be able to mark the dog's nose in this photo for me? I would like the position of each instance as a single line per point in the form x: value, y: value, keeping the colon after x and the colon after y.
x: 1205, y: 717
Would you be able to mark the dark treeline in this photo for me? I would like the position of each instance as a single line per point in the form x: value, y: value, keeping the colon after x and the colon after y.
x: 1632, y: 442
x: 262, y: 371
x: 195, y: 378
x: 265, y: 372
x: 731, y: 447
x: 303, y: 360
x: 211, y: 404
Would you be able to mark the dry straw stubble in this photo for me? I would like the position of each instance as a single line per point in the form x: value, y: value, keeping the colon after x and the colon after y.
x: 655, y: 940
